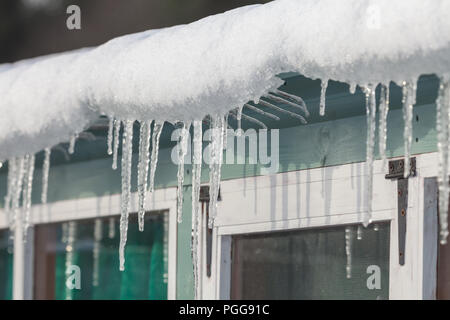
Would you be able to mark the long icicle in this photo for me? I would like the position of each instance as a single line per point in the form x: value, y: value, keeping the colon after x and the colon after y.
x: 408, y: 101
x: 443, y: 135
x: 12, y: 166
x: 323, y: 93
x: 348, y: 251
x: 196, y: 181
x: 370, y: 143
x: 215, y: 166
x: 182, y: 150
x: 109, y: 140
x: 28, y: 187
x: 98, y: 233
x: 144, y: 158
x: 17, y: 190
x: 45, y: 172
x: 127, y: 151
x: 156, y: 135
x: 117, y: 124
x: 382, y: 129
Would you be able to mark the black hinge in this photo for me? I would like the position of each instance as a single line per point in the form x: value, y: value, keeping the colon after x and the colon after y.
x: 396, y: 171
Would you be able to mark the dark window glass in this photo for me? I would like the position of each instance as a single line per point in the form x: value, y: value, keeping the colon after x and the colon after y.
x: 91, y: 247
x: 312, y: 264
x: 6, y: 265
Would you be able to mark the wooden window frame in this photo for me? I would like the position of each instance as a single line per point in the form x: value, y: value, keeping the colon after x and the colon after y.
x: 273, y: 203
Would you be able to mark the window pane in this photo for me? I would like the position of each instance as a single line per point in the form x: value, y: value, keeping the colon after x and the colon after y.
x: 312, y: 264
x: 92, y: 246
x: 6, y: 265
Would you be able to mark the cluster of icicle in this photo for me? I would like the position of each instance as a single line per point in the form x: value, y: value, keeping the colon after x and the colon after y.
x: 19, y: 190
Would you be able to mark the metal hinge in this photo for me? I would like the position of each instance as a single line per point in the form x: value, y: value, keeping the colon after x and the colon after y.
x: 396, y: 169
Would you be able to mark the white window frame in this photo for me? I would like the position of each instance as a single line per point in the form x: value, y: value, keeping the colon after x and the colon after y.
x: 88, y: 208
x: 270, y: 203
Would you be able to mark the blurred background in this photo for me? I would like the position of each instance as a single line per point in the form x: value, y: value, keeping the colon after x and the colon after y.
x: 30, y: 28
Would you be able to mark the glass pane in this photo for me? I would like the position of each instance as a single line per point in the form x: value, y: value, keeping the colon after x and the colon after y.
x: 312, y: 264
x: 6, y: 265
x: 88, y: 251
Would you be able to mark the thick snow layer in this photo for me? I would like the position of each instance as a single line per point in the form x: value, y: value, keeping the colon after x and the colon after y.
x: 219, y: 63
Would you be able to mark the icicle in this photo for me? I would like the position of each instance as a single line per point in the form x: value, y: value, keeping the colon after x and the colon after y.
x: 382, y: 129
x: 157, y: 129
x: 71, y: 234
x: 65, y: 232
x: 182, y: 150
x: 112, y: 228
x: 408, y: 101
x: 376, y: 227
x: 96, y: 250
x: 109, y: 140
x: 370, y: 143
x: 348, y: 251
x: 352, y: 88
x: 127, y: 150
x: 323, y: 92
x: 225, y: 131
x: 116, y: 143
x: 71, y: 148
x: 196, y: 181
x: 144, y: 157
x: 10, y: 189
x: 17, y: 190
x: 215, y: 167
x: 28, y: 185
x: 443, y: 135
x: 45, y: 172
x: 239, y: 121
x: 359, y: 232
